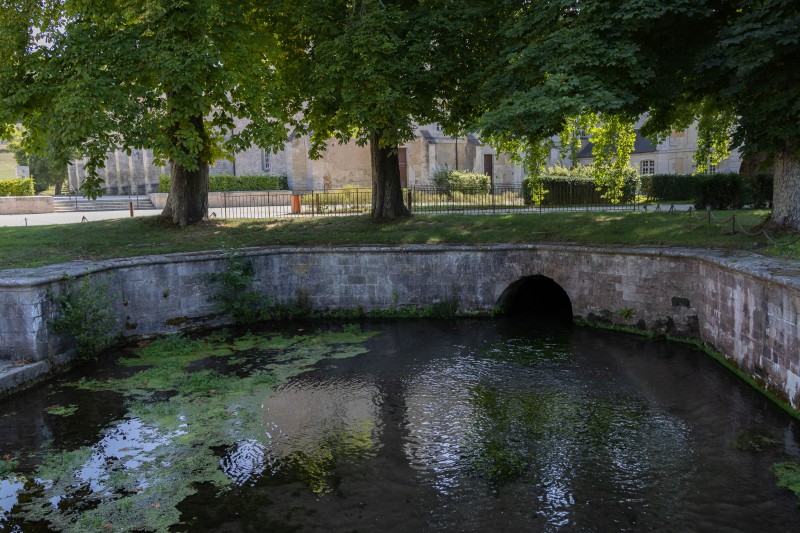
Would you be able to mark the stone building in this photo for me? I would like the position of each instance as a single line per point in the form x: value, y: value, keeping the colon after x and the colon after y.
x: 340, y: 164
x: 349, y: 164
x: 674, y: 155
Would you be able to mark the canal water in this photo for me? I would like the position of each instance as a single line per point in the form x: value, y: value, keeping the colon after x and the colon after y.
x: 464, y: 425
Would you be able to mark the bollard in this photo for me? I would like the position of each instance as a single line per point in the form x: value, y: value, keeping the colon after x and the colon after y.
x: 131, y: 206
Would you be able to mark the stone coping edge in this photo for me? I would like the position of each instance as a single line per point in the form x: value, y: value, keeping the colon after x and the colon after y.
x: 775, y: 270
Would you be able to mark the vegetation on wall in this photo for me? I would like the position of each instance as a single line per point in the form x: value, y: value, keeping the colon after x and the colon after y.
x: 84, y: 312
x: 236, y: 294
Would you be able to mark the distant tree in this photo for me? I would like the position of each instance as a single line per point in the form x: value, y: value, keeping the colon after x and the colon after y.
x: 46, y: 170
x: 731, y: 64
x: 369, y: 70
x: 170, y: 75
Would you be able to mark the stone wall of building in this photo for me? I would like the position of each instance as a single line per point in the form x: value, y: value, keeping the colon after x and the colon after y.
x: 747, y: 307
x: 24, y: 205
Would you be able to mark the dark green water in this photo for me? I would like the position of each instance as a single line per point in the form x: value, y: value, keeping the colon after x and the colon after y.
x: 469, y: 425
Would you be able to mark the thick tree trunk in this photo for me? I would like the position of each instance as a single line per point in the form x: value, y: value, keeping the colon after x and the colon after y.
x: 187, y: 202
x: 786, y: 194
x: 756, y: 164
x: 387, y: 193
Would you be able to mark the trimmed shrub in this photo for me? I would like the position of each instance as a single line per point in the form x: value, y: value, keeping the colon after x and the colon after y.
x: 762, y: 190
x: 448, y: 180
x: 228, y: 183
x: 669, y: 187
x: 574, y: 186
x: 17, y: 187
x: 733, y: 191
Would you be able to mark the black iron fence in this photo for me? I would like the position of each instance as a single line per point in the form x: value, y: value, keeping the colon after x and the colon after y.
x: 341, y: 202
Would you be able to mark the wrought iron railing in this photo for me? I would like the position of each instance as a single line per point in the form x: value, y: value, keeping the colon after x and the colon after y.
x: 342, y: 202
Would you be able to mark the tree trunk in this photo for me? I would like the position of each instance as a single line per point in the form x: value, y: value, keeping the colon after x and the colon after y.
x: 387, y: 194
x: 187, y: 202
x: 756, y: 164
x: 786, y: 193
x: 58, y: 188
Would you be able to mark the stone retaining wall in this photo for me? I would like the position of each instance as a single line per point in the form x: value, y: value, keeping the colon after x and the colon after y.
x: 747, y: 307
x: 25, y: 205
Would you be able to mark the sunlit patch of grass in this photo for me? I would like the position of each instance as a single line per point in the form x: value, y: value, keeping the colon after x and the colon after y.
x: 41, y: 245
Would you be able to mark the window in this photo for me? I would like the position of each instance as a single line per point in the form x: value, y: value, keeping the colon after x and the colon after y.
x: 266, y: 161
x: 712, y: 169
x: 648, y: 166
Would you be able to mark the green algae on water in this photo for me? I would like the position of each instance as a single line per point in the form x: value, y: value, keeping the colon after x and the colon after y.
x: 788, y: 475
x: 184, y: 405
x: 756, y: 440
x: 62, y: 410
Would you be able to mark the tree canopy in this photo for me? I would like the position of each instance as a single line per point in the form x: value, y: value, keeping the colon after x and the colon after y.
x: 731, y: 65
x: 170, y: 75
x: 177, y: 76
x: 369, y: 70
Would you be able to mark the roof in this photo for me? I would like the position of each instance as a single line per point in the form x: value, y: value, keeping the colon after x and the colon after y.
x: 642, y: 145
x: 427, y: 136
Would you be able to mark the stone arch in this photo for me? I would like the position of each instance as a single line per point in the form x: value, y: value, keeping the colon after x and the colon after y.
x: 537, y: 296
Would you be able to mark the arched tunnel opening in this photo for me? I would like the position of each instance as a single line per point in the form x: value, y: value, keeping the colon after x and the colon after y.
x: 538, y: 297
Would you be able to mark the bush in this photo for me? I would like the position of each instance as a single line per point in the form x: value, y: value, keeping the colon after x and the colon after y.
x: 669, y: 187
x: 17, y: 187
x: 349, y: 195
x: 762, y: 190
x: 733, y: 191
x: 228, y: 183
x: 448, y: 180
x: 574, y: 186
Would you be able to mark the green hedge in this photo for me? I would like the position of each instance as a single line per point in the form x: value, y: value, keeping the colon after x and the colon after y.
x: 669, y: 187
x: 227, y: 182
x: 733, y: 191
x: 720, y: 191
x: 576, y: 187
x: 448, y: 180
x: 17, y: 187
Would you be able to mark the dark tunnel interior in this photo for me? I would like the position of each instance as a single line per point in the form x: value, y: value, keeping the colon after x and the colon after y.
x: 539, y: 297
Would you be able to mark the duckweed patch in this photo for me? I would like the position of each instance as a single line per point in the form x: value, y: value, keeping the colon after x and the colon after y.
x: 756, y: 440
x: 179, y: 412
x: 62, y: 410
x: 7, y: 466
x: 788, y: 475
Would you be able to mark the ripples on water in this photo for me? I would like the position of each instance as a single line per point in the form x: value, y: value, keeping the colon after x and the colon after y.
x: 477, y: 425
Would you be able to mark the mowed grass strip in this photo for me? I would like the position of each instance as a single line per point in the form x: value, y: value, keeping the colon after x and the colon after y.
x: 8, y: 164
x: 22, y: 247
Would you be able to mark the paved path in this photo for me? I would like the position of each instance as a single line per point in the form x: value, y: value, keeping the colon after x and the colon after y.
x: 231, y: 212
x: 45, y: 219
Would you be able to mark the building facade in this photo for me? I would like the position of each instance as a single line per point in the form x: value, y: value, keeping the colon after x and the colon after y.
x: 340, y: 165
x: 348, y: 164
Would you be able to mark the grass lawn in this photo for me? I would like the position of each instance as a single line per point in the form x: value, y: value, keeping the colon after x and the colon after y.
x: 8, y: 164
x: 41, y: 245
